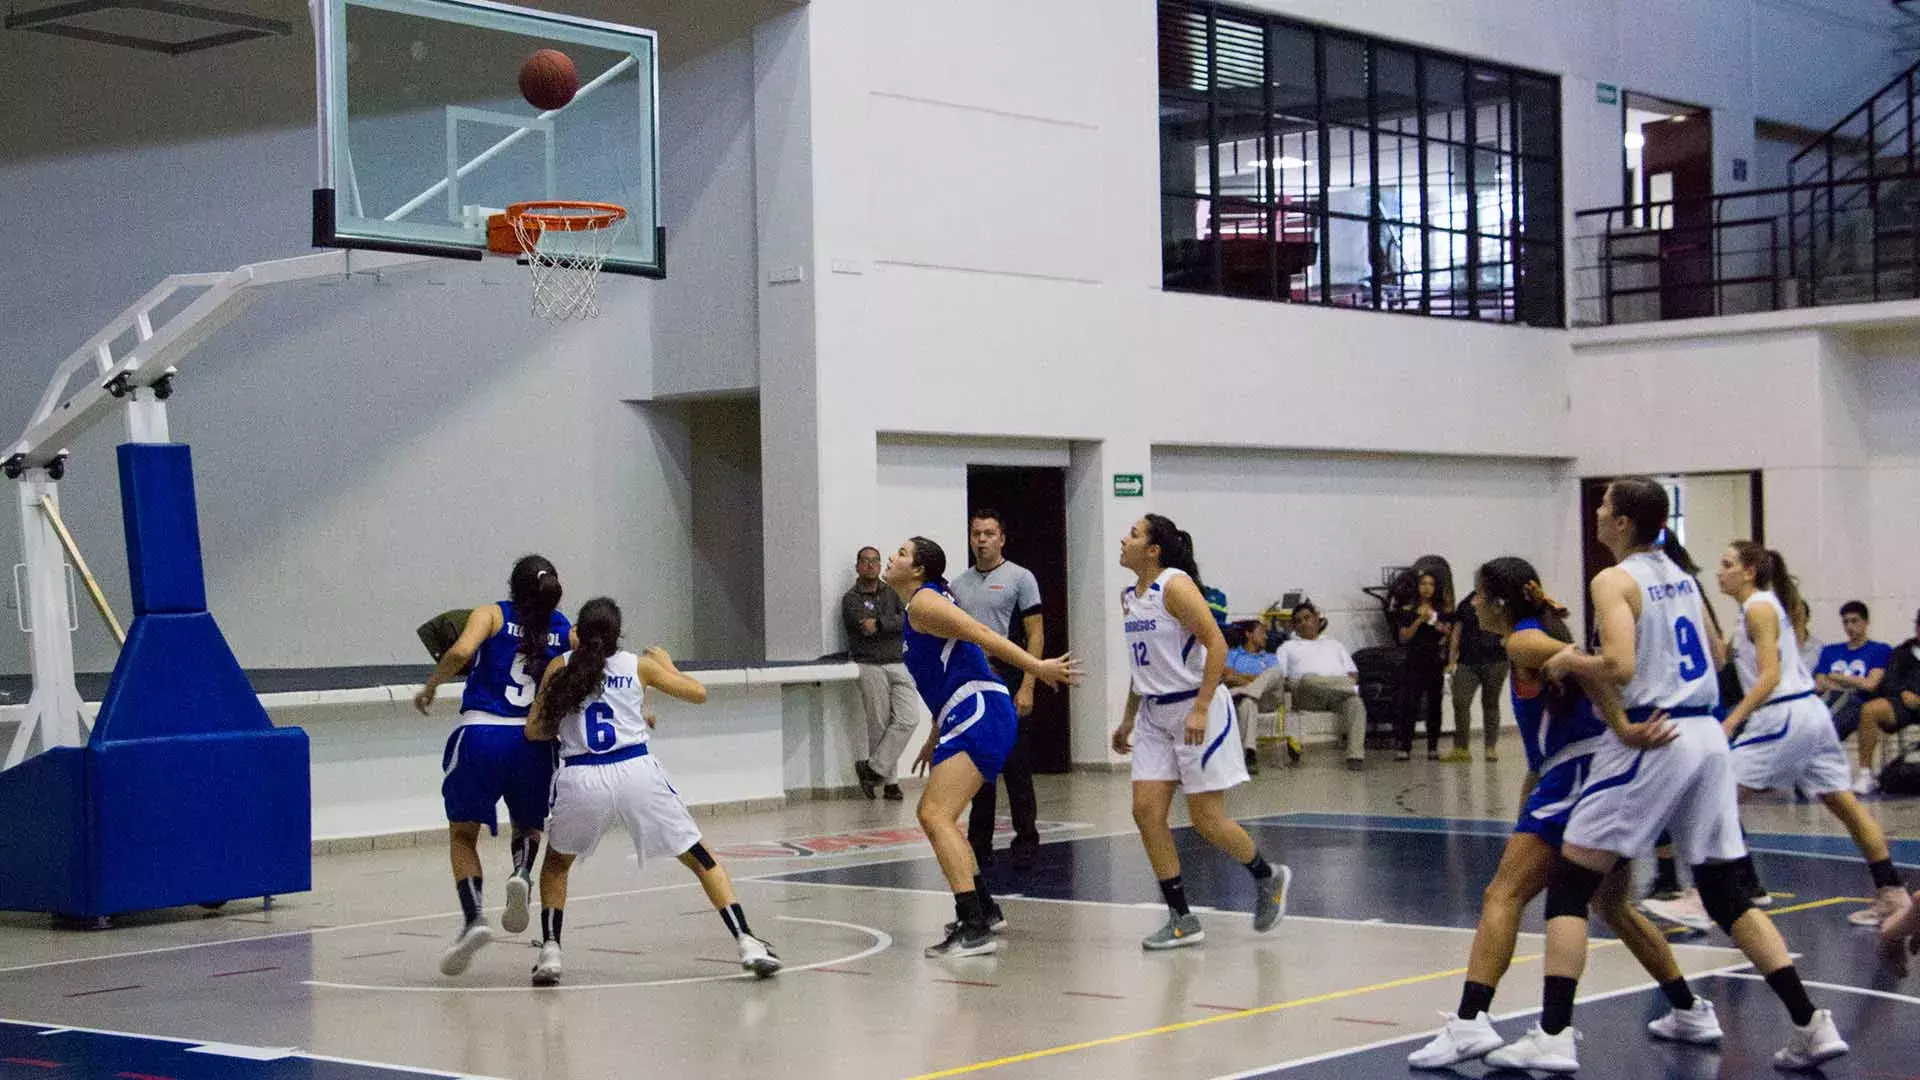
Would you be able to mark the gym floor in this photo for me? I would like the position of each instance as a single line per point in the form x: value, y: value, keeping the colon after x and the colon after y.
x: 342, y: 983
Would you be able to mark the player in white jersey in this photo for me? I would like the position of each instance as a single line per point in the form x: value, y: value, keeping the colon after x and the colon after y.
x: 1654, y: 646
x: 1179, y: 726
x: 593, y: 701
x: 1785, y: 736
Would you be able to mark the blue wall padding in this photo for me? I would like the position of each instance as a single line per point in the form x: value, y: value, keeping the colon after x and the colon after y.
x: 163, y: 529
x: 176, y: 676
x: 42, y: 848
x: 200, y: 818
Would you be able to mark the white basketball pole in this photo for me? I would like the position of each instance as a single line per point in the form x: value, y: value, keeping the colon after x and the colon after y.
x: 54, y: 712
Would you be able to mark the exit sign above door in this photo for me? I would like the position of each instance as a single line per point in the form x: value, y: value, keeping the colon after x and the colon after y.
x: 1129, y: 485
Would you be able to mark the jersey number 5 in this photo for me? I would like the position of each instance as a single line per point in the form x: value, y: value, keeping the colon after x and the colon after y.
x: 600, y: 733
x: 1693, y: 654
x: 521, y: 686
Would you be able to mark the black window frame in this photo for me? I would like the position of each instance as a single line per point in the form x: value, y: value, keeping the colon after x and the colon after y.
x: 1507, y: 271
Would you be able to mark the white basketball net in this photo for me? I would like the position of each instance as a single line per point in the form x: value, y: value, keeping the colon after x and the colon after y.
x: 565, y: 248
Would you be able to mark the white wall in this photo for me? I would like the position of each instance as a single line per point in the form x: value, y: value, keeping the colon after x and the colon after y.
x: 1267, y: 521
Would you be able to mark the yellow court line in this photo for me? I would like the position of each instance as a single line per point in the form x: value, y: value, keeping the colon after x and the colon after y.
x: 1185, y: 1025
x: 1773, y: 913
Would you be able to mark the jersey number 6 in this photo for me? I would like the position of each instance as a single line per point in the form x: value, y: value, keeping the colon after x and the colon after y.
x: 600, y: 733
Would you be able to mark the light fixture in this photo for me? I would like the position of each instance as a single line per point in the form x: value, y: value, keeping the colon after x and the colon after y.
x: 1634, y: 140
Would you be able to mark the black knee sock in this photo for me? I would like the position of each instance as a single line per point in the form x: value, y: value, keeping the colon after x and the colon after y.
x: 550, y: 920
x: 525, y: 846
x: 1259, y: 867
x: 1556, y: 1004
x: 1749, y: 874
x: 736, y: 919
x: 1666, y: 874
x: 968, y: 909
x: 1884, y: 876
x: 1475, y: 998
x: 1175, y: 893
x: 1679, y: 994
x: 470, y: 905
x: 1786, y: 984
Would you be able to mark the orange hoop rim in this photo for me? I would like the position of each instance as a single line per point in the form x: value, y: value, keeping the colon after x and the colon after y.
x: 584, y: 216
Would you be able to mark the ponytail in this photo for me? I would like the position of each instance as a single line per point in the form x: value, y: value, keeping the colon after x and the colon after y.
x: 584, y: 676
x: 1770, y: 572
x: 1175, y: 544
x: 534, y: 589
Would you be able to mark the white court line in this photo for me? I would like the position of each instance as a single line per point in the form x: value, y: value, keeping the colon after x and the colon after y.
x: 882, y: 941
x: 1330, y: 1055
x: 64, y: 1029
x: 1840, y: 988
x: 319, y: 930
x: 1156, y: 905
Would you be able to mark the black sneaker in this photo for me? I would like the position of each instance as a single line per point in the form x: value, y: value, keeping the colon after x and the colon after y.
x: 996, y: 920
x: 1664, y: 890
x: 869, y: 779
x: 892, y: 793
x: 964, y: 940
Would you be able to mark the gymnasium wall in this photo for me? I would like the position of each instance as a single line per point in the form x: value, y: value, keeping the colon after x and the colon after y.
x: 370, y: 453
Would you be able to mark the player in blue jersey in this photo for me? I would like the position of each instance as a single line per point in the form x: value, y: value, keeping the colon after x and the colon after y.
x: 1561, y: 729
x: 973, y: 726
x: 488, y: 757
x: 1655, y: 648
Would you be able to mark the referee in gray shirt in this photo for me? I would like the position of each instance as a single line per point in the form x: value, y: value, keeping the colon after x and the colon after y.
x: 997, y: 593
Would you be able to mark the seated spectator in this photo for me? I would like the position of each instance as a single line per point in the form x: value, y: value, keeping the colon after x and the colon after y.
x: 1848, y: 674
x: 1897, y: 703
x: 1322, y: 677
x: 1256, y: 680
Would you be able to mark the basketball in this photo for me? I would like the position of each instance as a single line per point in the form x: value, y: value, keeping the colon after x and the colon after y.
x: 548, y: 79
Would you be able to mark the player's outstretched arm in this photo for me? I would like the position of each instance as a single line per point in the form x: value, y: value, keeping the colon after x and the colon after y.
x: 482, y: 623
x: 657, y: 671
x: 935, y: 614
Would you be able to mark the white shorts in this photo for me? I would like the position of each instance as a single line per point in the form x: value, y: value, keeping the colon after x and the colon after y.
x: 1791, y: 744
x: 1684, y: 788
x: 587, y: 799
x: 1160, y: 750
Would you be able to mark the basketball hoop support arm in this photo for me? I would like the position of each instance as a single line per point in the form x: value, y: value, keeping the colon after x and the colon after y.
x: 141, y: 379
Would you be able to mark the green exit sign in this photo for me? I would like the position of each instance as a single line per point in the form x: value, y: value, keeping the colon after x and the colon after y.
x: 1607, y: 94
x: 1129, y: 485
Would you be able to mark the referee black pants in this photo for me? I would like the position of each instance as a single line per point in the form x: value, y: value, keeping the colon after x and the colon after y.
x: 1018, y: 774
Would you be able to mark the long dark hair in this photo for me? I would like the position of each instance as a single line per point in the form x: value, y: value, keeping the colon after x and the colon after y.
x: 1175, y: 544
x: 930, y: 559
x: 534, y: 589
x: 1770, y: 572
x: 1643, y: 501
x: 1515, y: 585
x: 585, y: 674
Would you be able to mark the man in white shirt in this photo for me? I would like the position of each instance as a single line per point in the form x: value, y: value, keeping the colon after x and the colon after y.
x: 1322, y: 677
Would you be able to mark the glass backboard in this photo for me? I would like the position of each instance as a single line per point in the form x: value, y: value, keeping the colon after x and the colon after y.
x: 425, y: 135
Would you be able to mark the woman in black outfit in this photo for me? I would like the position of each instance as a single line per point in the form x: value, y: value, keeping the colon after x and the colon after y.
x: 1421, y: 621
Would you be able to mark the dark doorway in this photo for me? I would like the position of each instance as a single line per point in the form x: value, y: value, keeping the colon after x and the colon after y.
x: 1595, y: 558
x: 1669, y: 172
x: 1033, y: 501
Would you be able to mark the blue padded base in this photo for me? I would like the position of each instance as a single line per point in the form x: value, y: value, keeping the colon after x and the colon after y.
x: 43, y: 802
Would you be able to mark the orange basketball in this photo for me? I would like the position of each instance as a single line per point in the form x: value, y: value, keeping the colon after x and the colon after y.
x: 548, y: 79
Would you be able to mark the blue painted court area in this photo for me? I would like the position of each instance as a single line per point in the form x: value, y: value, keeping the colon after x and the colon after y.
x: 56, y: 1053
x: 1357, y: 868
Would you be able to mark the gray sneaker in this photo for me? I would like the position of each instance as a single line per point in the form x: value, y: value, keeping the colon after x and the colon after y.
x: 1180, y: 931
x: 1270, y: 903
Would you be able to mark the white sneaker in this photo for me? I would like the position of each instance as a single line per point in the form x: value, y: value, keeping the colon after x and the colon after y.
x: 1540, y: 1052
x: 1865, y: 782
x: 546, y: 970
x: 514, y: 919
x: 757, y: 956
x: 1460, y: 1040
x: 1891, y: 903
x: 471, y: 940
x: 1697, y: 1025
x: 1817, y: 1042
x: 1687, y: 911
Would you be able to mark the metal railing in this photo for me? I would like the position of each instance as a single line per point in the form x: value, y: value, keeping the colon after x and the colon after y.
x: 1813, y: 244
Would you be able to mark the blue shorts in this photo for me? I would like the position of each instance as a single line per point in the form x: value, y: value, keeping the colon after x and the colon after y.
x: 484, y: 763
x: 983, y: 728
x: 1551, y: 802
